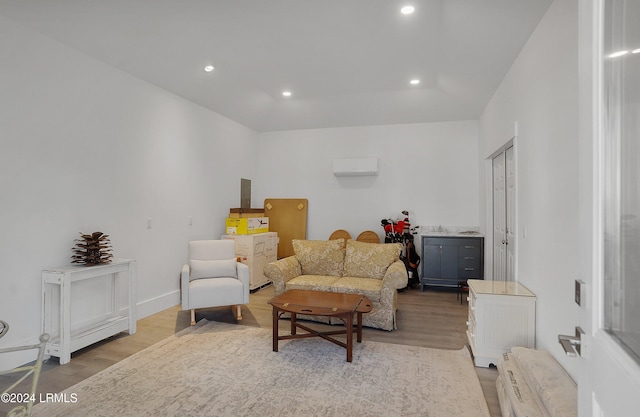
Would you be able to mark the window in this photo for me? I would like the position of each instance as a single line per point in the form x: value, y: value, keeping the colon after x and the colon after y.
x: 621, y: 95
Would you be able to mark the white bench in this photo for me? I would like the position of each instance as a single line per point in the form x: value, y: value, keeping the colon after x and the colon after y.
x: 531, y: 383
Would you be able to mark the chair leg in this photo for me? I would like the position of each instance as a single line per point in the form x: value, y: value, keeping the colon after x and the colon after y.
x: 238, y: 312
x: 193, y: 316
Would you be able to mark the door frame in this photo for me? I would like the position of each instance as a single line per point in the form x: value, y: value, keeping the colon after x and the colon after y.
x: 488, y: 238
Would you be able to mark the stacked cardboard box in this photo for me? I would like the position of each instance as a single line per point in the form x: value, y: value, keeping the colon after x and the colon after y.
x: 243, y: 221
x: 256, y: 251
x: 245, y: 213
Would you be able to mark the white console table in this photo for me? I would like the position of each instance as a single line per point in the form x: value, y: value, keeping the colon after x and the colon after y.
x: 501, y: 315
x: 66, y: 340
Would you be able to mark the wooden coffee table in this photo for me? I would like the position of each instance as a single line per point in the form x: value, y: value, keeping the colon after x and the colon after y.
x: 320, y: 303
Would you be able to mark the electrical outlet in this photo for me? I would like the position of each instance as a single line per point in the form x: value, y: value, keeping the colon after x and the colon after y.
x: 148, y: 222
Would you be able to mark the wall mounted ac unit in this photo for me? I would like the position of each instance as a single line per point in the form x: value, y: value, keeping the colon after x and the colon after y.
x: 355, y: 167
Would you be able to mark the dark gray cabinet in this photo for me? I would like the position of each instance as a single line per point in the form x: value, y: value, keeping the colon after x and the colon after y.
x: 451, y: 259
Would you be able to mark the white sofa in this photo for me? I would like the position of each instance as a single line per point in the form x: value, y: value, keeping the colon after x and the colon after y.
x: 531, y: 383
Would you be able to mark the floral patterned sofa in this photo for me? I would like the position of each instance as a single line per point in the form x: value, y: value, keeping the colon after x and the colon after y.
x: 372, y: 269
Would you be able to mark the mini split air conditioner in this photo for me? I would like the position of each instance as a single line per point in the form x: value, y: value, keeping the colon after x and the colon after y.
x: 355, y: 167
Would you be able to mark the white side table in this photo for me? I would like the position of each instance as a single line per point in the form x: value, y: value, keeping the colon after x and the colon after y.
x: 66, y: 340
x: 501, y: 315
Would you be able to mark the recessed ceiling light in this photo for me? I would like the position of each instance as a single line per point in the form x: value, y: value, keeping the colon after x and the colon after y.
x: 208, y: 68
x: 415, y: 81
x: 286, y: 93
x: 407, y: 10
x: 636, y: 51
x: 617, y: 54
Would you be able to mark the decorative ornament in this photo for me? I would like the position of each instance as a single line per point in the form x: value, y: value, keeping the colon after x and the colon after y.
x: 93, y: 249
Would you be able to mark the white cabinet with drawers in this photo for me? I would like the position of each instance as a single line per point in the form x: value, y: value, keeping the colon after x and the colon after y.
x: 256, y: 251
x: 501, y: 315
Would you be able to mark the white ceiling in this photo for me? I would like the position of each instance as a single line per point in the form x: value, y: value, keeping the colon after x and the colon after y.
x: 346, y: 62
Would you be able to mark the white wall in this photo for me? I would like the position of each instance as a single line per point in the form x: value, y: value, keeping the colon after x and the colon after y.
x: 428, y: 169
x: 86, y: 147
x: 540, y: 93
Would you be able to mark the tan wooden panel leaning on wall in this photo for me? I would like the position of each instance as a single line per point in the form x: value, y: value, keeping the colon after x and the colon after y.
x: 288, y: 217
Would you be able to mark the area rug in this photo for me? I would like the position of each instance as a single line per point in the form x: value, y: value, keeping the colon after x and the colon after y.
x: 219, y: 369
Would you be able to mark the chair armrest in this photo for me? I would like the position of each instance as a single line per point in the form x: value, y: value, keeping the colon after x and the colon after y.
x: 281, y: 271
x: 184, y: 286
x: 396, y: 276
x: 243, y: 276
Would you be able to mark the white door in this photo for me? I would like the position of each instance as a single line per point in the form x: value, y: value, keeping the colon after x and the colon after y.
x: 510, y: 228
x: 609, y: 380
x: 504, y: 198
x: 499, y: 218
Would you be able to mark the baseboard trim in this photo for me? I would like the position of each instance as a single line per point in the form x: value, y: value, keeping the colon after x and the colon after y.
x: 154, y: 305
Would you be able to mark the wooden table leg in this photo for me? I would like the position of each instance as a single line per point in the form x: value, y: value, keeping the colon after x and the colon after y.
x: 359, y: 328
x: 275, y: 329
x: 293, y: 323
x: 349, y: 337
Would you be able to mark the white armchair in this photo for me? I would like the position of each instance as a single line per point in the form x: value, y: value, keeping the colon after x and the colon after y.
x: 213, y: 277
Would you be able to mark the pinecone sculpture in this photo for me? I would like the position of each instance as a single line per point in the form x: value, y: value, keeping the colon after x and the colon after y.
x: 92, y: 249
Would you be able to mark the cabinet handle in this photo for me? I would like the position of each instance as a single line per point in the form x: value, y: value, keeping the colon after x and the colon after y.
x: 469, y: 269
x: 469, y: 247
x: 469, y: 257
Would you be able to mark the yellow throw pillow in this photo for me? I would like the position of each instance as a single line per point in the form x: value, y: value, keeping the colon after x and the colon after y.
x: 320, y: 257
x: 370, y: 260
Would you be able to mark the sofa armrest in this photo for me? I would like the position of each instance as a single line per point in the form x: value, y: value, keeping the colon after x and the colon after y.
x: 281, y: 271
x: 184, y: 286
x: 396, y: 276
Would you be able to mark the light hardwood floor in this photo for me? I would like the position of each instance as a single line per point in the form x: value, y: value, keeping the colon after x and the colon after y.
x: 433, y: 318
